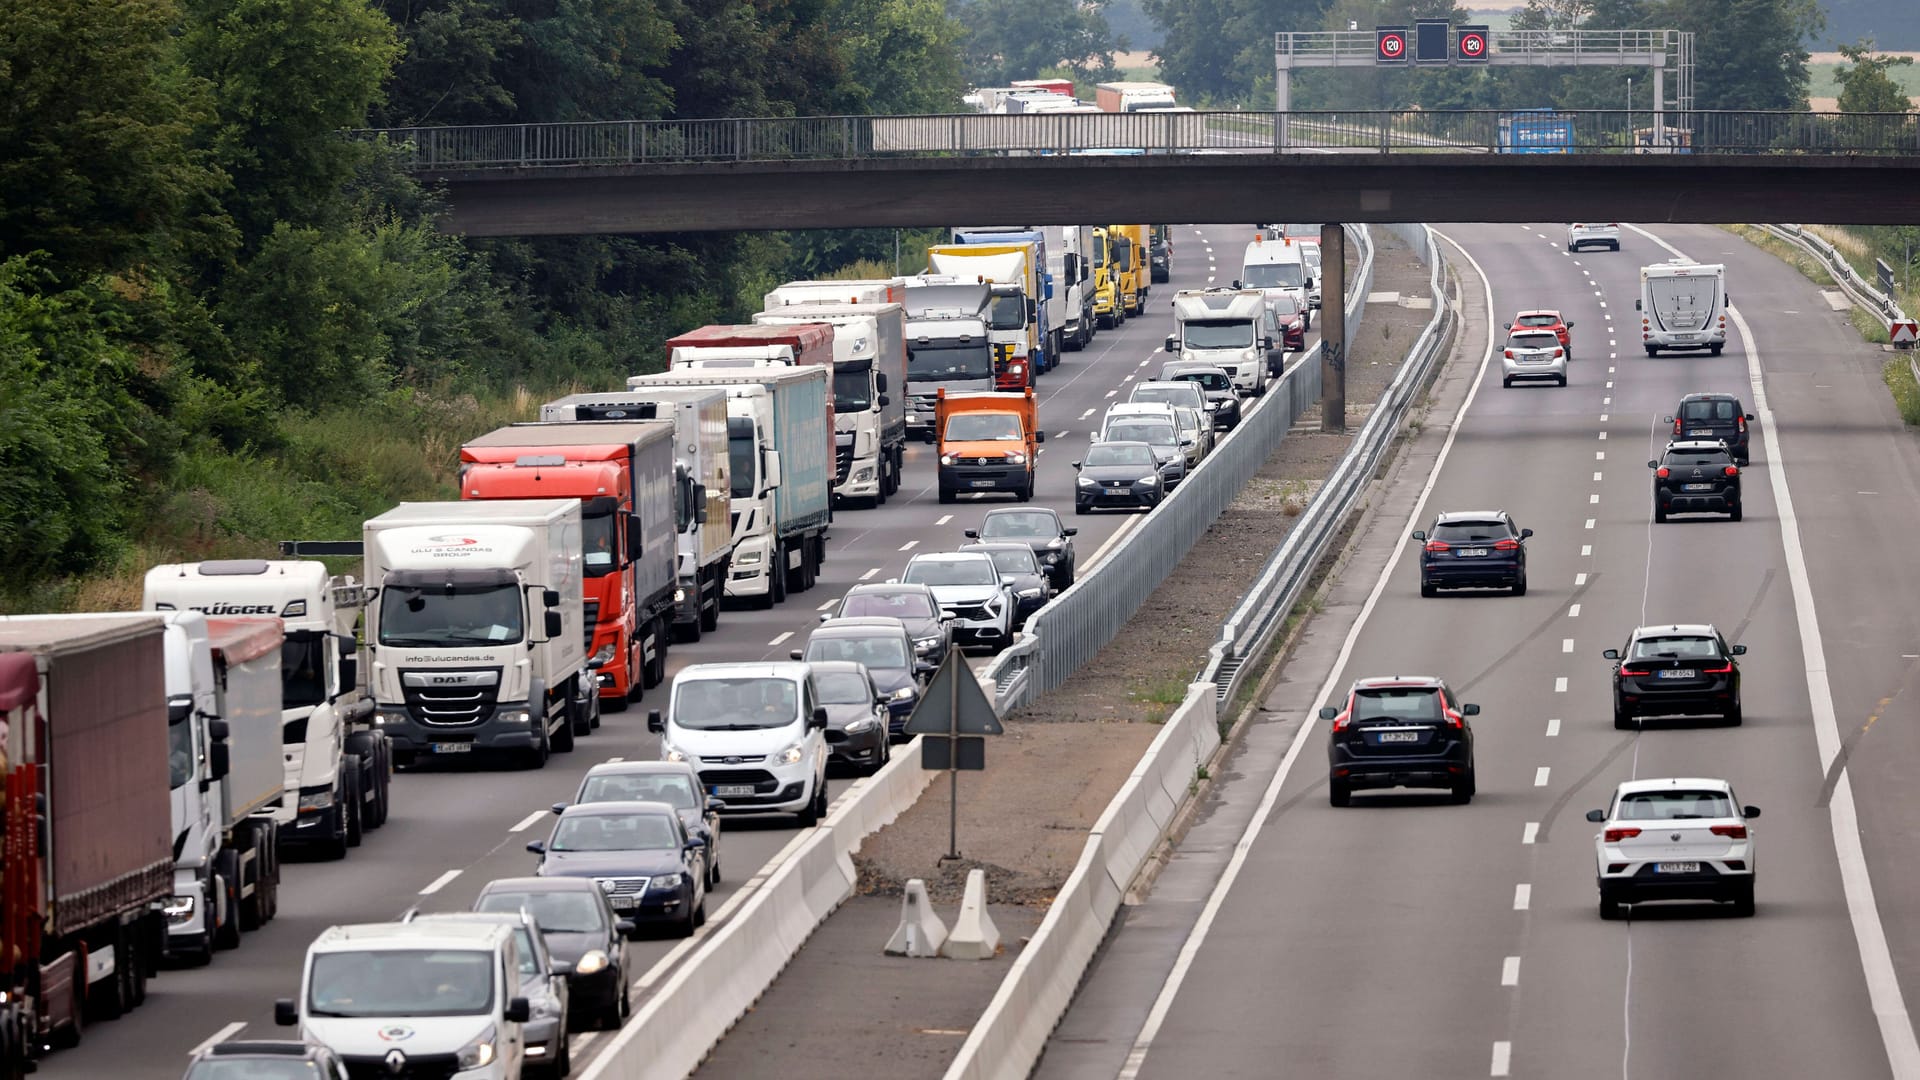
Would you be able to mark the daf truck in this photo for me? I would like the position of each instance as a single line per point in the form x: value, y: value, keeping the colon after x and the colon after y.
x: 948, y: 346
x: 869, y: 392
x: 88, y: 860
x: 1225, y: 328
x: 1047, y: 290
x: 780, y: 441
x: 1683, y: 305
x: 338, y: 762
x: 703, y: 496
x: 623, y: 475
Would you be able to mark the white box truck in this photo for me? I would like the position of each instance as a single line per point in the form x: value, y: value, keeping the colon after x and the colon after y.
x: 869, y: 392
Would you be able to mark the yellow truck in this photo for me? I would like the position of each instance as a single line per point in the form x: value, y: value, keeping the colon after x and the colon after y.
x: 1131, y: 258
x: 987, y: 442
x: 1108, y: 311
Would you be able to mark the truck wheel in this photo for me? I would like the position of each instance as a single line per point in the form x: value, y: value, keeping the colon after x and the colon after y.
x: 226, y: 881
x: 777, y: 575
x: 353, y: 809
x: 252, y: 908
x: 383, y: 802
x: 654, y: 672
x: 946, y: 494
x: 536, y: 758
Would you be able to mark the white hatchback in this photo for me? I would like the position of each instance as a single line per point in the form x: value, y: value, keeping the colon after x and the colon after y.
x: 1533, y: 354
x: 1674, y: 839
x: 1589, y: 234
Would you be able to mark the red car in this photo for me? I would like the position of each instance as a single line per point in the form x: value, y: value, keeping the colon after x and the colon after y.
x: 1546, y: 319
x: 1289, y: 325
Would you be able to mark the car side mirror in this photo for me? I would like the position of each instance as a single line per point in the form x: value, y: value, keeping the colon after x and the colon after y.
x: 1750, y: 416
x: 1739, y: 650
x: 219, y: 761
x: 1076, y: 464
x: 794, y: 654
x: 558, y: 807
x: 716, y: 805
x: 1328, y: 712
x: 1611, y: 654
x: 1469, y: 710
x: 1569, y: 324
x: 819, y: 719
x: 925, y: 667
x: 880, y: 382
x: 1653, y: 464
x: 624, y: 926
x: 1750, y: 811
x: 826, y: 616
x: 554, y: 624
x: 538, y: 847
x: 695, y: 842
x: 1420, y: 535
x: 561, y: 968
x: 1266, y: 344
x: 1666, y: 419
x: 519, y: 1010
x: 655, y: 723
x: 1636, y: 305
x: 1506, y: 326
x: 1596, y: 816
x: 1039, y: 436
x: 885, y: 400
x: 1524, y: 533
x: 1237, y: 285
x: 285, y: 1012
x: 550, y: 597
x: 971, y: 534
x: 636, y: 536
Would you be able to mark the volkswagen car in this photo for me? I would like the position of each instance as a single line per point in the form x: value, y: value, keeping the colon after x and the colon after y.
x: 638, y: 853
x: 1674, y: 839
x: 1404, y: 731
x: 1684, y: 669
x: 676, y: 783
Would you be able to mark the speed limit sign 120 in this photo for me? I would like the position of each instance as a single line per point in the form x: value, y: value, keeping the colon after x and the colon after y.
x: 1390, y: 44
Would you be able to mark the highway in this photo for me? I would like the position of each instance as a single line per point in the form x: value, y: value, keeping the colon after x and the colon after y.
x: 452, y: 831
x: 1407, y: 936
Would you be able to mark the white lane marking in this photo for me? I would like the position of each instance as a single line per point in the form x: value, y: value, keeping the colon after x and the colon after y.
x: 1086, y: 414
x: 944, y: 518
x: 1596, y: 479
x: 1603, y: 418
x: 868, y: 576
x: 1603, y: 435
x: 220, y: 1036
x: 826, y: 605
x: 526, y: 823
x: 1590, y: 523
x: 1566, y: 645
x: 1586, y: 551
x: 1113, y: 393
x: 615, y: 760
x: 1599, y: 455
x: 1529, y: 834
x: 1553, y: 728
x: 1595, y: 497
x: 1560, y: 684
x: 1573, y: 611
x: 439, y: 883
x: 1603, y: 303
x: 1170, y: 989
x: 1058, y: 435
x: 1510, y: 971
x: 1129, y: 378
x: 1581, y: 579
x: 1613, y: 341
x: 1609, y: 371
x: 1596, y: 292
x: 1540, y: 775
x: 1143, y: 363
x: 783, y: 635
x: 1522, y: 896
x: 909, y: 545
x: 1502, y: 1058
x: 1606, y: 401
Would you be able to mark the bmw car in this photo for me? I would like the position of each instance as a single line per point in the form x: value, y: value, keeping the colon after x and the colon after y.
x: 1674, y: 839
x: 1479, y: 549
x: 1684, y: 669
x: 1404, y: 731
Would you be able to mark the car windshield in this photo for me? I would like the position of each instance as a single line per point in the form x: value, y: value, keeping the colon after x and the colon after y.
x: 1280, y: 275
x: 844, y: 688
x: 875, y: 651
x: 1537, y: 320
x: 613, y: 832
x: 1217, y: 335
x: 1020, y: 523
x: 890, y: 605
x: 401, y: 982
x: 736, y: 704
x: 952, y: 572
x: 569, y: 912
x: 1709, y: 411
x: 1177, y: 394
x: 450, y: 616
x: 1398, y: 703
x: 1691, y: 458
x: 1206, y: 380
x: 1151, y: 432
x: 984, y: 427
x: 255, y: 1068
x: 1689, y: 647
x: 1674, y: 806
x: 1467, y: 532
x: 1013, y: 560
x: 674, y: 789
x: 1285, y: 305
x: 1109, y: 454
x: 1533, y: 341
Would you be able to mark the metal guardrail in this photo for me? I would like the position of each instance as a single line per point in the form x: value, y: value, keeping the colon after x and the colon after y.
x: 1074, y: 626
x: 837, y: 138
x: 1266, y: 606
x: 1857, y: 288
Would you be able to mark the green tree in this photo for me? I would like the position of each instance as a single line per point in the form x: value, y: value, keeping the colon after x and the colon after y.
x: 903, y: 56
x: 1749, y: 54
x: 1865, y: 86
x: 1017, y: 39
x: 451, y: 71
x: 1221, y: 51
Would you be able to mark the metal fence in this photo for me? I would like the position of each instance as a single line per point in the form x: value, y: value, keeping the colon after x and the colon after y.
x: 1078, y: 623
x: 1867, y: 294
x: 836, y: 138
x: 1285, y: 578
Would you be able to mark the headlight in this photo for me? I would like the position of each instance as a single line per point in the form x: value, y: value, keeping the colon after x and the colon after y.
x: 926, y: 644
x: 1052, y: 557
x: 1084, y: 482
x: 1028, y: 594
x: 946, y: 459
x: 179, y: 909
x: 679, y: 596
x: 602, y: 654
x: 592, y: 963
x: 664, y: 882
x: 1057, y: 542
x: 1154, y: 479
x: 511, y: 716
x: 748, y: 558
x: 479, y: 1053
x: 905, y: 693
x: 1016, y: 458
x: 791, y: 755
x: 862, y: 725
x: 670, y: 752
x: 316, y: 802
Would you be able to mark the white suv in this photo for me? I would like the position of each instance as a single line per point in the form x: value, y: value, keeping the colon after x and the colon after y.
x: 1583, y: 234
x: 1674, y: 839
x: 755, y: 732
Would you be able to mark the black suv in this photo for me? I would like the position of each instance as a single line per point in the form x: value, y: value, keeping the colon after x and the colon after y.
x: 1403, y: 731
x: 1678, y: 670
x: 1696, y: 477
x: 1477, y: 549
x: 1713, y: 417
x: 1160, y: 254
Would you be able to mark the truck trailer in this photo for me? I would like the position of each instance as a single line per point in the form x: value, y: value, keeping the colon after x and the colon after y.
x: 869, y: 392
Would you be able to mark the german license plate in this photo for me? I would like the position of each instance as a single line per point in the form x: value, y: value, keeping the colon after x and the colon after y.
x: 1699, y: 487
x: 1685, y: 337
x: 1701, y: 431
x: 1676, y: 868
x: 723, y: 791
x: 1473, y: 553
x: 1678, y: 673
x: 622, y: 903
x: 1117, y: 487
x: 983, y: 483
x: 1399, y: 736
x: 452, y: 748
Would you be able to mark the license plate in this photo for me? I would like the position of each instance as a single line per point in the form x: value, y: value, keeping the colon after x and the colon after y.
x: 1685, y: 337
x: 1701, y: 431
x: 452, y: 748
x: 1676, y: 868
x: 622, y: 903
x: 1473, y: 553
x: 1698, y: 487
x: 983, y: 483
x: 1677, y: 673
x: 722, y: 791
x: 1117, y: 487
x: 1398, y: 736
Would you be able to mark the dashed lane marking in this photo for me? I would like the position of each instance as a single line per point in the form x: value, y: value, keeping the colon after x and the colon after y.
x: 526, y: 823
x: 780, y: 637
x: 1540, y: 775
x: 1510, y: 967
x: 910, y: 545
x: 944, y: 518
x: 220, y: 1036
x: 1573, y: 611
x: 1553, y: 728
x: 1560, y: 684
x: 439, y: 883
x: 1529, y: 834
x: 868, y: 576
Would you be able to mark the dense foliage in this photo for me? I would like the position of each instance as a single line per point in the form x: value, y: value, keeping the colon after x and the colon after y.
x: 221, y: 323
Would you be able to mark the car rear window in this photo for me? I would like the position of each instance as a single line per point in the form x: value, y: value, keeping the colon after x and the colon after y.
x: 1677, y: 458
x: 1675, y: 806
x: 1461, y: 532
x: 1538, y: 320
x: 1399, y: 703
x: 1722, y: 411
x: 1676, y: 648
x: 1532, y: 341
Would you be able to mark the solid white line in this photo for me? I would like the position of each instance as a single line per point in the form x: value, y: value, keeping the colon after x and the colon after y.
x: 826, y: 605
x: 526, y: 823
x: 1573, y: 611
x: 1566, y: 644
x: 783, y: 635
x: 1560, y: 684
x: 1553, y: 728
x: 439, y: 883
x: 220, y: 1036
x: 909, y: 545
x: 1170, y: 989
x: 1530, y: 833
x: 944, y: 518
x: 1540, y: 775
x: 1522, y: 896
x: 869, y: 574
x: 1510, y: 969
x: 1502, y: 1058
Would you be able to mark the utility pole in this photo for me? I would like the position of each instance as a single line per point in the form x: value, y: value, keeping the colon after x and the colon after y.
x: 1333, y: 329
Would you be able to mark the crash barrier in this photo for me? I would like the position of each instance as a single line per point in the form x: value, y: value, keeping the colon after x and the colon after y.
x: 1265, y: 608
x: 675, y: 1029
x: 1858, y: 289
x: 1008, y: 1039
x: 1074, y: 626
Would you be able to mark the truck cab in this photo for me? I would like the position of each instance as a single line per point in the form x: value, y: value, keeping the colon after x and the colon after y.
x: 948, y: 346
x: 1044, y: 286
x: 1138, y: 276
x: 1223, y: 327
x: 869, y: 391
x: 987, y: 442
x: 1108, y: 310
x: 1127, y: 269
x: 1017, y: 320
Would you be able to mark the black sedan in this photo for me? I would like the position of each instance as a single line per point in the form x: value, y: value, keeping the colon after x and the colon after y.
x: 638, y: 853
x: 582, y: 930
x: 1041, y: 530
x: 858, y: 733
x: 1216, y: 386
x: 1022, y: 573
x: 1117, y: 475
x: 1685, y: 669
x: 1713, y: 417
x: 1477, y: 549
x: 1696, y: 478
x: 914, y: 605
x: 1403, y: 731
x: 676, y: 783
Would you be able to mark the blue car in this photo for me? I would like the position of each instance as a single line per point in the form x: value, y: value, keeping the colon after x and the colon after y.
x: 639, y: 854
x: 1480, y: 549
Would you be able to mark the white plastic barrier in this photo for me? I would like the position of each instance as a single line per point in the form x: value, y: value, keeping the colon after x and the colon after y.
x: 1009, y: 1038
x: 716, y: 985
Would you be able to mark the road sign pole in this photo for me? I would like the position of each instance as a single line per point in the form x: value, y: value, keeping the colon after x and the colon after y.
x: 953, y: 769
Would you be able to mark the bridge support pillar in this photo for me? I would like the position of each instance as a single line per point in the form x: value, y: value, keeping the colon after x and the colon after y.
x: 1333, y: 329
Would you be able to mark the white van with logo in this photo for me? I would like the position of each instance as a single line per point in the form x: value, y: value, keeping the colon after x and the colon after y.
x: 414, y: 999
x: 1275, y: 264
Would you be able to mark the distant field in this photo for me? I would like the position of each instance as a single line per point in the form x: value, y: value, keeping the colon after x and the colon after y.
x: 1825, y: 83
x: 1137, y: 66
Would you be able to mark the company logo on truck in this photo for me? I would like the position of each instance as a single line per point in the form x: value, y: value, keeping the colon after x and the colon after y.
x: 224, y: 608
x: 450, y: 545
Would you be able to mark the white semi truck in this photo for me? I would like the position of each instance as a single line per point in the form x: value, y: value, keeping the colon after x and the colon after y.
x: 1069, y: 260
x: 869, y: 388
x: 948, y: 346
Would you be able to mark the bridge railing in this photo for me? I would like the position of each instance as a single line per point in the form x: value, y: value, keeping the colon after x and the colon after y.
x: 839, y: 138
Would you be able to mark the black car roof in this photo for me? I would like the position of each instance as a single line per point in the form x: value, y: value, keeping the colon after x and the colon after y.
x: 860, y: 626
x: 622, y: 809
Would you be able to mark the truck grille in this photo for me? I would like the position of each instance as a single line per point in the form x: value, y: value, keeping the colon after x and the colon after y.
x: 445, y: 704
x: 622, y: 886
x: 417, y: 1067
x: 590, y: 620
x: 842, y: 460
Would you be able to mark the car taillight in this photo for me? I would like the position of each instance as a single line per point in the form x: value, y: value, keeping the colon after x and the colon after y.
x: 1727, y: 669
x: 1614, y: 836
x: 1509, y: 354
x: 1733, y: 470
x: 1731, y: 832
x: 1340, y: 722
x: 1559, y: 352
x: 1676, y: 425
x: 1662, y: 473
x: 1636, y: 672
x: 1438, y: 545
x: 1506, y: 545
x: 1740, y: 423
x: 1453, y: 720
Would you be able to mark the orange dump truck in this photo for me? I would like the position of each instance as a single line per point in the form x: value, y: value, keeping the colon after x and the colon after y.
x: 988, y: 441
